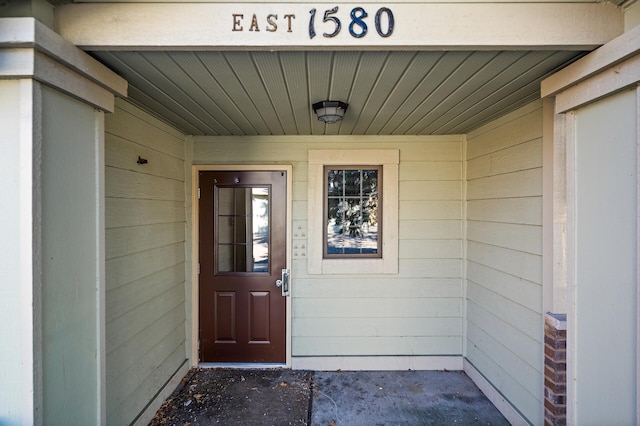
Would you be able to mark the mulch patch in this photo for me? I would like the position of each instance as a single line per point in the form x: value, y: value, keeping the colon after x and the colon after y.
x: 209, y: 396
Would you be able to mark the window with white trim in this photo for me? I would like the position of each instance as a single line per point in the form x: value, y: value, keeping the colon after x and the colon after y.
x: 353, y: 212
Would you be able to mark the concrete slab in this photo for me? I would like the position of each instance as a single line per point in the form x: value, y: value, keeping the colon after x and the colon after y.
x: 278, y: 397
x: 400, y: 398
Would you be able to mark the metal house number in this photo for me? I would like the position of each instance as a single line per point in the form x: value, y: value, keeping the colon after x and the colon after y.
x: 383, y: 22
x: 357, y: 26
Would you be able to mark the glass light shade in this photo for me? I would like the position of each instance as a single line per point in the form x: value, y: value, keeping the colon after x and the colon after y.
x: 330, y: 111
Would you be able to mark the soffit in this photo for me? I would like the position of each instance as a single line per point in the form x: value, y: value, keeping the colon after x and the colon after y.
x: 389, y: 93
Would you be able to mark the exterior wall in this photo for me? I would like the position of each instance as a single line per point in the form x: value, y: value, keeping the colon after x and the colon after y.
x: 606, y: 256
x: 416, y: 312
x: 145, y: 252
x: 597, y: 100
x: 72, y: 251
x: 504, y: 256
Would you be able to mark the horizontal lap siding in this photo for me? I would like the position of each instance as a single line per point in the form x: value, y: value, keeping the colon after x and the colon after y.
x: 145, y: 268
x: 504, y: 256
x: 416, y: 312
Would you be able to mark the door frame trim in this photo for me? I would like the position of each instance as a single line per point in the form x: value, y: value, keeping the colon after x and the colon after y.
x: 195, y: 255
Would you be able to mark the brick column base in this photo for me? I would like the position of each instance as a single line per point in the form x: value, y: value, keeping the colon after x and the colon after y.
x: 555, y: 369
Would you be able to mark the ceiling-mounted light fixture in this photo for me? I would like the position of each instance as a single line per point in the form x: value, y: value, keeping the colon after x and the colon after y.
x: 330, y: 111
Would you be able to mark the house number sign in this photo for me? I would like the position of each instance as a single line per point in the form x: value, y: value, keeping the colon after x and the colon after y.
x: 357, y: 25
x: 358, y: 22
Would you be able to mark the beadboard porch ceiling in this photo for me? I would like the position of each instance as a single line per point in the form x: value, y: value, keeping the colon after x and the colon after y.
x: 389, y: 93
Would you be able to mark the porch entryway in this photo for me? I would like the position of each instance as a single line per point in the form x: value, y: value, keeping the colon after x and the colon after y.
x: 290, y: 397
x: 462, y: 116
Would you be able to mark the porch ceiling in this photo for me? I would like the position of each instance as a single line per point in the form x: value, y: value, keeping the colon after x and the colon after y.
x: 389, y: 93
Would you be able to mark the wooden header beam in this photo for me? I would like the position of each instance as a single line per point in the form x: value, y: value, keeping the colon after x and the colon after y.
x: 277, y: 26
x: 34, y: 48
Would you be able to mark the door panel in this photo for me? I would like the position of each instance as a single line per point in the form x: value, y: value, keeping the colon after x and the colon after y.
x: 225, y: 317
x: 242, y: 254
x: 259, y: 316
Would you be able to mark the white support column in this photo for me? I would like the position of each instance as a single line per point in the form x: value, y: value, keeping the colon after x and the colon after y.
x: 99, y: 199
x: 72, y: 253
x: 596, y: 266
x: 19, y: 398
x: 638, y: 254
x: 547, y: 203
x: 52, y: 225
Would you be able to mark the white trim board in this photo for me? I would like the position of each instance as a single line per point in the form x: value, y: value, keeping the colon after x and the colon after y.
x: 607, y: 70
x: 220, y: 26
x: 373, y: 363
x: 17, y: 33
x: 612, y: 53
x: 614, y: 79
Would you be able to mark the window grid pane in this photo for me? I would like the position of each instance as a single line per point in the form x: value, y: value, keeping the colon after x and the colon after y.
x: 352, y: 216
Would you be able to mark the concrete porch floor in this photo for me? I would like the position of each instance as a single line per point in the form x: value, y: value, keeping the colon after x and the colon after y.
x: 400, y: 398
x: 321, y: 398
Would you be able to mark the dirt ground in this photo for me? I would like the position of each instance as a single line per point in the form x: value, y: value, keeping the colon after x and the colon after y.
x: 239, y: 397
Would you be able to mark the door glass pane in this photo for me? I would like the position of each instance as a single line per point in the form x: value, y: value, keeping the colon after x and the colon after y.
x: 241, y: 230
x: 225, y: 257
x: 242, y: 235
x: 225, y: 229
x: 225, y: 201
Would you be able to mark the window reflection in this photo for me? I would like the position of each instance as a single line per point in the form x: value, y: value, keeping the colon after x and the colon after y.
x: 243, y: 229
x: 352, y: 215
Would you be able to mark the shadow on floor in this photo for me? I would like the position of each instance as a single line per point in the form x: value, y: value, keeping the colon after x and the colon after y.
x: 292, y: 397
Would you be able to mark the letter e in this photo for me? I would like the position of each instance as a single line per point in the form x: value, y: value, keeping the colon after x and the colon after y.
x: 237, y: 22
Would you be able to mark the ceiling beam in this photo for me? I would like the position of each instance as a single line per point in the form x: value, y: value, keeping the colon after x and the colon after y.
x: 277, y: 26
x: 19, y: 35
x: 615, y: 52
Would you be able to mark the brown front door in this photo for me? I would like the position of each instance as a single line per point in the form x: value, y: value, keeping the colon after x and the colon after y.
x: 242, y: 254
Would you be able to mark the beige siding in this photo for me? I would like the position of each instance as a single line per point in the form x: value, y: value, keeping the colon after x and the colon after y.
x: 416, y: 312
x: 504, y: 256
x: 69, y: 229
x: 145, y: 251
x: 604, y: 247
